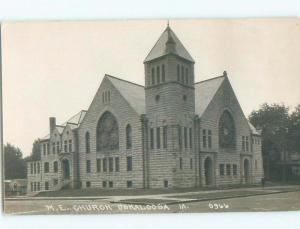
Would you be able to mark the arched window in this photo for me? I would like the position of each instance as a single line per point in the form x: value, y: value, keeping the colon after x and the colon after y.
x: 87, y: 142
x: 107, y: 132
x: 163, y: 73
x: 226, y: 131
x: 128, y: 137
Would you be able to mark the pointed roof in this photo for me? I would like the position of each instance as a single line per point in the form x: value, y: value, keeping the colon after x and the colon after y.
x: 133, y: 93
x: 253, y: 129
x: 73, y: 122
x: 76, y: 119
x: 205, y: 91
x: 168, y: 43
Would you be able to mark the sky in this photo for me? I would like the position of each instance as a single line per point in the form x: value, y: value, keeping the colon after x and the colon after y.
x: 55, y: 68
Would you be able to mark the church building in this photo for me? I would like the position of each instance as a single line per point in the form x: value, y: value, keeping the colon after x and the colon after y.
x: 171, y: 133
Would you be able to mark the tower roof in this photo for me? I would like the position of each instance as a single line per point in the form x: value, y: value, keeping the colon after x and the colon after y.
x: 168, y: 43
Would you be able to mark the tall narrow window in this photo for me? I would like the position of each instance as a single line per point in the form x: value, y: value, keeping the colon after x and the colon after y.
x: 129, y: 163
x: 178, y: 73
x: 98, y: 165
x: 179, y: 137
x: 34, y: 168
x: 65, y: 146
x: 247, y: 143
x: 38, y: 167
x: 128, y: 137
x: 104, y: 161
x: 70, y: 146
x: 44, y: 149
x: 153, y: 76
x: 191, y: 163
x: 163, y: 73
x: 243, y: 143
x: 191, y: 137
x: 158, y: 74
x: 180, y: 163
x: 46, y: 185
x: 185, y: 137
x: 87, y: 142
x: 46, y: 167
x: 209, y: 138
x: 31, y: 168
x: 110, y: 164
x: 158, y: 138
x: 151, y: 138
x: 55, y: 167
x: 234, y: 169
x: 48, y: 148
x: 88, y: 166
x: 222, y: 169
x: 228, y: 169
x: 182, y: 74
x: 117, y: 164
x: 53, y: 147
x: 204, y: 138
x: 186, y: 76
x: 165, y: 137
x: 57, y: 147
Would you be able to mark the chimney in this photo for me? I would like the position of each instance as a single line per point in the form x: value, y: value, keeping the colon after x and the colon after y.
x: 52, y: 122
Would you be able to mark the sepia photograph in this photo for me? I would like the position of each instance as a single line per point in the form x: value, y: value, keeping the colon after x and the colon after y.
x: 151, y: 116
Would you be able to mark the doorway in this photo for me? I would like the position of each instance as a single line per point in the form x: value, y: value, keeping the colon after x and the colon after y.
x: 208, y: 171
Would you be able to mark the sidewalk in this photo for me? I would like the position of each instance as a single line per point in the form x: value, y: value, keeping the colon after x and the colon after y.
x: 175, y: 197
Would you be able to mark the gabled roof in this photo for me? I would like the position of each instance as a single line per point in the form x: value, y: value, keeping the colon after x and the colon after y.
x: 73, y: 122
x: 76, y: 119
x: 204, y: 93
x: 133, y: 93
x: 253, y: 129
x: 160, y: 48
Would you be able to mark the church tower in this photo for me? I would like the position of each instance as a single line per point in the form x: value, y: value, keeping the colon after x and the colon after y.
x: 170, y: 109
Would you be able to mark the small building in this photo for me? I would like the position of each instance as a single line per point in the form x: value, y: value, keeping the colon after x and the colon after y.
x: 15, y: 187
x: 289, y: 166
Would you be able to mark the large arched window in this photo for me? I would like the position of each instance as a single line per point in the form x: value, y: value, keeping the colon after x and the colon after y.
x: 107, y: 132
x: 87, y: 142
x: 226, y: 131
x: 128, y: 137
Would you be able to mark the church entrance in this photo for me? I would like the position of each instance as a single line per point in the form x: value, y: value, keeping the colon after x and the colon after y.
x: 66, y: 169
x: 247, y: 171
x: 208, y: 171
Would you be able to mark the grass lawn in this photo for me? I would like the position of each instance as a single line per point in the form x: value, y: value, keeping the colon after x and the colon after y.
x: 126, y: 192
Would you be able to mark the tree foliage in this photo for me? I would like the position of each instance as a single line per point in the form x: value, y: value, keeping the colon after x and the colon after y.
x: 14, y: 164
x: 35, y: 152
x: 273, y: 120
x: 280, y: 134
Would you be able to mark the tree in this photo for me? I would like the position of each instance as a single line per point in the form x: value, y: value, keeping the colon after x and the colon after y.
x: 14, y: 164
x: 35, y: 152
x: 294, y: 131
x: 273, y: 120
